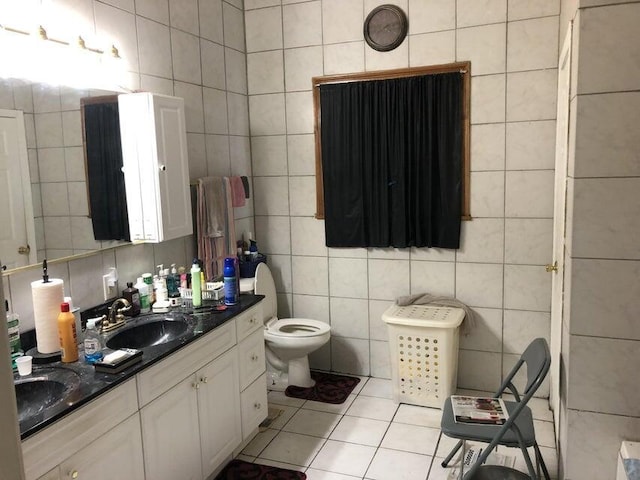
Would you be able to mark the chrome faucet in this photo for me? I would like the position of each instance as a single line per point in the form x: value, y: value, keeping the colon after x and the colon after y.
x: 116, y: 314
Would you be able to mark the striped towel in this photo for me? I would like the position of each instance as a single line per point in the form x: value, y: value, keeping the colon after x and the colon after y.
x: 215, y: 224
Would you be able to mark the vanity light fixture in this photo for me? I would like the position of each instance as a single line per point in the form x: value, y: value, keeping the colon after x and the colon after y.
x: 80, y: 43
x: 40, y: 58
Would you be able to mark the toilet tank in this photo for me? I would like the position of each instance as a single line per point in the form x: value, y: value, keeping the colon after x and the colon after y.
x: 629, y: 461
x: 265, y: 286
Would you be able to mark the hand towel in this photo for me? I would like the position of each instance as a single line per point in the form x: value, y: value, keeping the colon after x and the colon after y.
x: 237, y: 192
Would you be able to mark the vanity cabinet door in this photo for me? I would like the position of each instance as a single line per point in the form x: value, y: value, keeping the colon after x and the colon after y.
x: 252, y: 358
x: 116, y: 454
x: 254, y: 406
x: 170, y: 434
x: 219, y: 408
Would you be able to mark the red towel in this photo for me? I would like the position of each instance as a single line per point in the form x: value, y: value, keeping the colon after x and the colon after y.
x: 237, y: 192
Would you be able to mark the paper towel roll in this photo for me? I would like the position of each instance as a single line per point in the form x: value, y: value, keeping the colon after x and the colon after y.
x: 47, y: 298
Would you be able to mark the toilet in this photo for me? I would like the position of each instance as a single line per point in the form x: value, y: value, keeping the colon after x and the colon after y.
x: 288, y: 341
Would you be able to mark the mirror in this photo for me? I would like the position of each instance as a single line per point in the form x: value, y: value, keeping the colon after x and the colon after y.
x: 56, y: 167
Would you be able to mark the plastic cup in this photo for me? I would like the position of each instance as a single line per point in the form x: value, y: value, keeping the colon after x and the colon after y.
x: 24, y: 364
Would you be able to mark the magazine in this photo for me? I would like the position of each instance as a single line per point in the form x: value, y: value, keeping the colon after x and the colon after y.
x: 479, y: 410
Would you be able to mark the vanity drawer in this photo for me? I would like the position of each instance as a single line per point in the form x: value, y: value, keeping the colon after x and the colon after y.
x: 252, y: 358
x: 159, y: 378
x: 249, y: 321
x: 254, y: 406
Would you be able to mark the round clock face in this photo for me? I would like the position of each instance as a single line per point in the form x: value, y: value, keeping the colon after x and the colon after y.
x: 385, y: 27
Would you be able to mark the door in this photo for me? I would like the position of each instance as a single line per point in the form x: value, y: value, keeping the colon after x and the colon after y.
x: 17, y: 235
x: 559, y: 216
x: 219, y: 406
x: 170, y: 434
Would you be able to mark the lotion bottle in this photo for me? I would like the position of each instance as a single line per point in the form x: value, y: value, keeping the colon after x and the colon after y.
x: 67, y: 333
x: 196, y: 286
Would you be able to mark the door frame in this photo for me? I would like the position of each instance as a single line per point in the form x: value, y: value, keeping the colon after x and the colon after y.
x: 559, y: 223
x: 25, y: 180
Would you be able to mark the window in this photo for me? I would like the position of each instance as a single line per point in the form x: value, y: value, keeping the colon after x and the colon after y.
x: 392, y: 156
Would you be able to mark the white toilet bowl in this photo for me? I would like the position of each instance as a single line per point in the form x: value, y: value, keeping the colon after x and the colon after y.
x: 289, y: 341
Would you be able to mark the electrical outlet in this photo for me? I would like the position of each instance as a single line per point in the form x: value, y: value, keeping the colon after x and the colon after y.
x: 110, y: 283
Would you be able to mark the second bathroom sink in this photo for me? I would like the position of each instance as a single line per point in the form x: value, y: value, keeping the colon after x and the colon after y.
x: 151, y: 333
x: 43, y: 390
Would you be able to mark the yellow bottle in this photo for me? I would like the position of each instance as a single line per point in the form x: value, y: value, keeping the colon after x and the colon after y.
x: 67, y: 334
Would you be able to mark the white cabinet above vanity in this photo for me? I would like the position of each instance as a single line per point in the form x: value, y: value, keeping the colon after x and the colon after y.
x: 156, y: 166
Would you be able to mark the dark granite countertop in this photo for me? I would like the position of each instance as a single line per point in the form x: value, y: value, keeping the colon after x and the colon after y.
x: 82, y: 383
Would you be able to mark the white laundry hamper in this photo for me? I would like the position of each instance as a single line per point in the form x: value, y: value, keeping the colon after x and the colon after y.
x: 423, y: 342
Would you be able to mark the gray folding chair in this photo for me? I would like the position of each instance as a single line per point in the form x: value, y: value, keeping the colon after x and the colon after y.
x: 518, y: 430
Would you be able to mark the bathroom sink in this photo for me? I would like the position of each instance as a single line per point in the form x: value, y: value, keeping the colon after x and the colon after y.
x: 151, y: 333
x: 44, y: 389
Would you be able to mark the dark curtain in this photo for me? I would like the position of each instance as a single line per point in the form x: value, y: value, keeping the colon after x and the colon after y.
x: 392, y: 162
x: 107, y: 195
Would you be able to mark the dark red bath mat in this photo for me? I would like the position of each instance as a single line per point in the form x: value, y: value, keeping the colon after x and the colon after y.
x: 241, y: 470
x: 329, y: 388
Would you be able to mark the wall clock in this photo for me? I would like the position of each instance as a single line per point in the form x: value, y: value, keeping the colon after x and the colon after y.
x: 385, y: 27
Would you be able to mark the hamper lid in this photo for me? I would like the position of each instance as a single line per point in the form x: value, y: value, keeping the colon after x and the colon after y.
x: 424, y: 316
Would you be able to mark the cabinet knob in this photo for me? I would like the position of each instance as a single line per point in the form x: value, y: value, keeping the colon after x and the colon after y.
x: 257, y: 406
x: 252, y: 320
x: 254, y: 358
x: 74, y: 474
x: 163, y: 168
x: 204, y: 379
x: 195, y: 385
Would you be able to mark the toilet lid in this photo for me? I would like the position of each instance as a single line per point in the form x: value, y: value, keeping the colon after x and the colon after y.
x: 264, y: 286
x: 297, y: 327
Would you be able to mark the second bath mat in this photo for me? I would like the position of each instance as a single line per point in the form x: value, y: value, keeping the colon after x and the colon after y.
x: 329, y: 388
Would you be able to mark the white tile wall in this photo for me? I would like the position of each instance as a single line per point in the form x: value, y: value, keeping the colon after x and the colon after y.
x: 603, y: 34
x: 607, y: 149
x: 532, y: 44
x: 532, y: 95
x: 488, y: 147
x: 431, y: 16
x: 531, y: 145
x: 432, y: 48
x: 605, y: 308
x: 596, y: 232
x: 470, y: 12
x: 484, y: 46
x: 488, y: 99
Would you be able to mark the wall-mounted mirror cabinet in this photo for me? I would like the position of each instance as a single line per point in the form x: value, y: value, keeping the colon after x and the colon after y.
x: 52, y: 219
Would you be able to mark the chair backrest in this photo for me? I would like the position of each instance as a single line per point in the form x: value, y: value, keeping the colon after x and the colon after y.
x: 537, y: 359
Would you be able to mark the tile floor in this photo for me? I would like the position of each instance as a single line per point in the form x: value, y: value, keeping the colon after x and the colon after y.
x: 369, y: 437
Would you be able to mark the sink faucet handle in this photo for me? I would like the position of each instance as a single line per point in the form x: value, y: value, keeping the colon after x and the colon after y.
x: 115, y: 314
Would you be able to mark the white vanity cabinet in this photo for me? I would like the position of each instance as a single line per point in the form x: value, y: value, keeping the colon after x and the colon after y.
x: 155, y: 166
x: 182, y: 417
x: 79, y: 432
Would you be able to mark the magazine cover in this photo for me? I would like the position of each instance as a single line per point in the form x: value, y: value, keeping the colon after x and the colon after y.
x: 479, y: 410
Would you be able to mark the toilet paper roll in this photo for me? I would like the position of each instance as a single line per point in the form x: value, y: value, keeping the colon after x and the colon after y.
x: 47, y: 298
